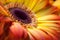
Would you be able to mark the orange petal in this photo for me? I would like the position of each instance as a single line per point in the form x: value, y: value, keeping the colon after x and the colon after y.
x: 17, y: 29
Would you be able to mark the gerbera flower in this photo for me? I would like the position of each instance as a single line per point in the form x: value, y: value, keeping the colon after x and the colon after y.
x: 29, y: 20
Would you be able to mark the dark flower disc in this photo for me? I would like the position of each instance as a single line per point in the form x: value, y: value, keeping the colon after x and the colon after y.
x: 20, y: 15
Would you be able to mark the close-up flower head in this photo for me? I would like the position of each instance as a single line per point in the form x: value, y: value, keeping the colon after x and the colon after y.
x: 29, y: 19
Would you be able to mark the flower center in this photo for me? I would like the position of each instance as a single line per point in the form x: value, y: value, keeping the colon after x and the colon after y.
x: 20, y: 15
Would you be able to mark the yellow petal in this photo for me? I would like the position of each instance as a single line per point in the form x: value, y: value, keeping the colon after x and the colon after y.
x: 31, y: 37
x: 19, y: 1
x: 34, y: 34
x: 43, y: 12
x: 57, y: 3
x: 26, y: 2
x: 32, y: 4
x: 49, y: 25
x: 42, y: 34
x: 47, y: 11
x: 5, y: 1
x: 50, y: 17
x: 13, y: 0
x: 47, y: 28
x: 4, y: 11
x: 39, y: 5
